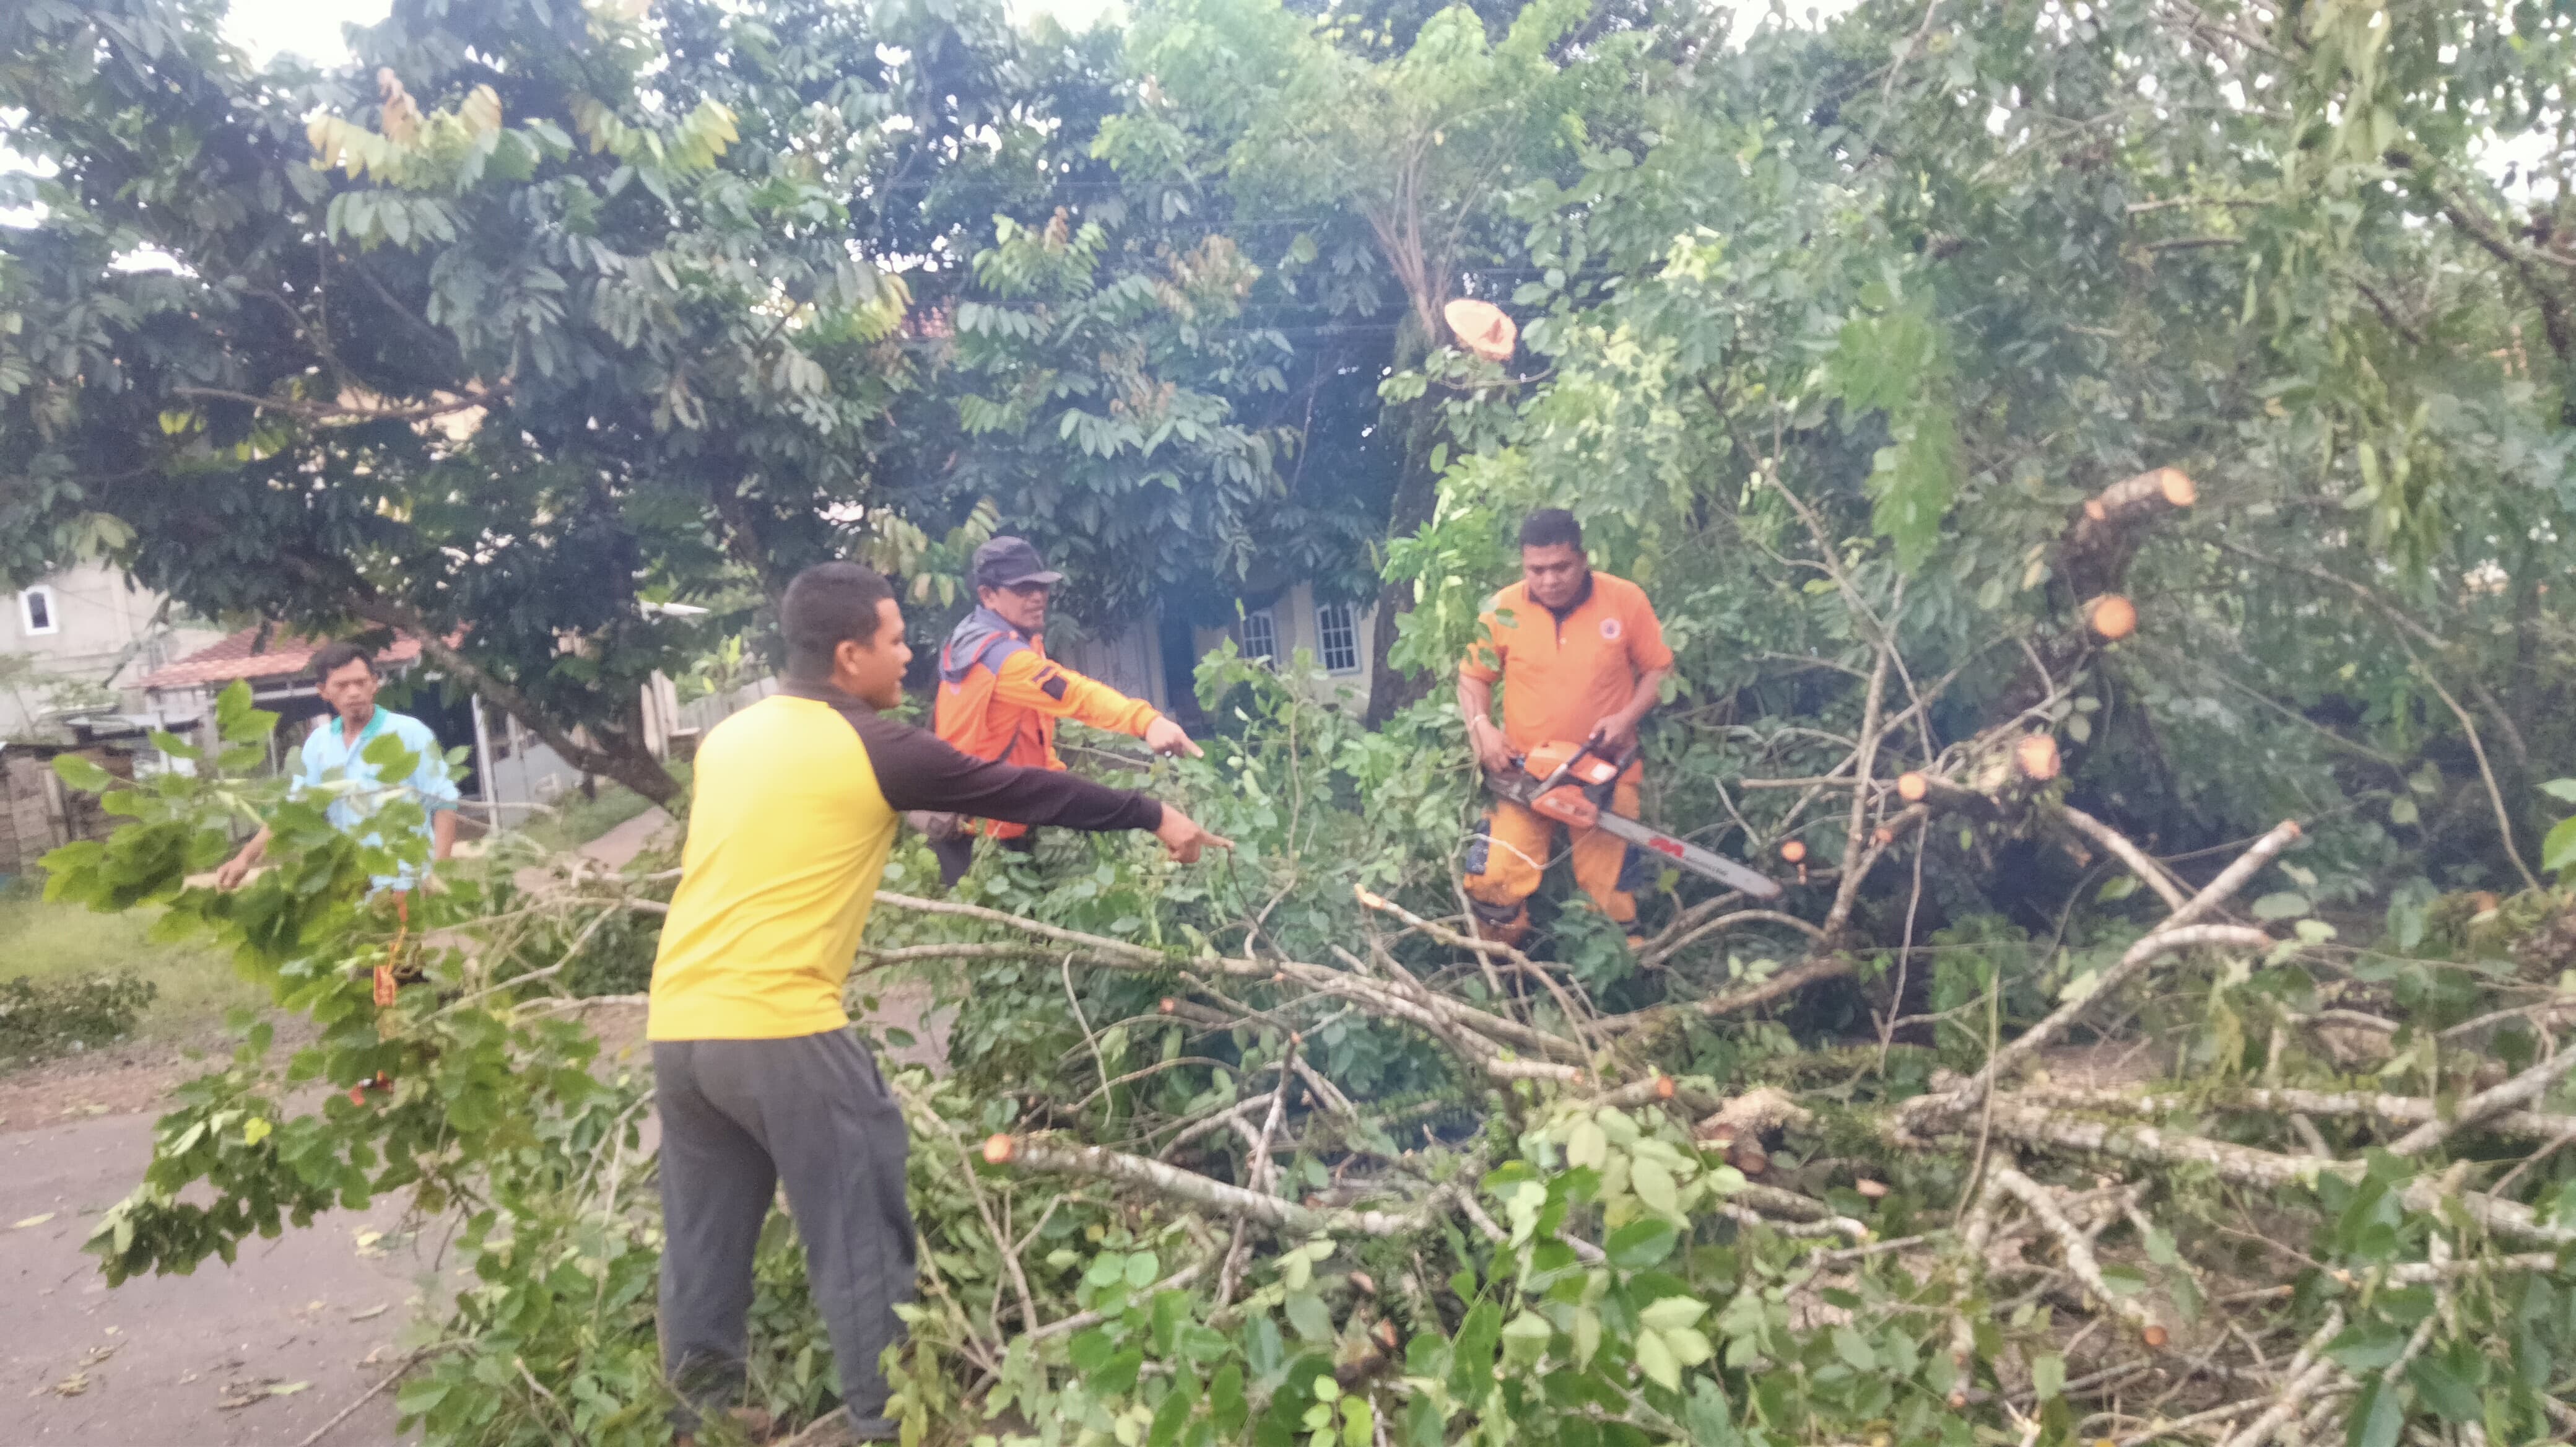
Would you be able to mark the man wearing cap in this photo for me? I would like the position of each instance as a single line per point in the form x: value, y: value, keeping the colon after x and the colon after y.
x: 1000, y: 695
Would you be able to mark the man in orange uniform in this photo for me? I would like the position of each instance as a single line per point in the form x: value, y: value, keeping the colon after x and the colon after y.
x: 1000, y: 696
x: 1581, y: 657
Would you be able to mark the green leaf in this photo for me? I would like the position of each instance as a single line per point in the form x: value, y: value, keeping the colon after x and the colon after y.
x: 82, y: 774
x: 2366, y: 1346
x: 1307, y: 1315
x: 1657, y: 1361
x: 1587, y: 1335
x: 2377, y: 1418
x: 1587, y: 1146
x: 1707, y: 1417
x: 1854, y: 1349
x: 1091, y: 1350
x: 1654, y: 1186
x: 2442, y: 1391
x: 2557, y: 852
x: 2285, y: 904
x: 1525, y: 1338
x: 2048, y: 1375
x: 1641, y: 1243
x: 1226, y: 1402
x: 1673, y: 1312
x: 2562, y: 790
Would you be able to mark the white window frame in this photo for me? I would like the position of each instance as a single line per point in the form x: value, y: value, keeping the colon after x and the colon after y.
x: 27, y: 611
x: 1349, y: 614
x: 1268, y: 622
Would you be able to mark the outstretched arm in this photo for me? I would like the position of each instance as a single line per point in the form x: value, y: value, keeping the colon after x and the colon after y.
x: 917, y: 771
x: 1028, y: 681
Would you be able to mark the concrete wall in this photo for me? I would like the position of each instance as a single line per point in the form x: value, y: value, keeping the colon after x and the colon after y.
x: 1298, y: 622
x: 102, y: 633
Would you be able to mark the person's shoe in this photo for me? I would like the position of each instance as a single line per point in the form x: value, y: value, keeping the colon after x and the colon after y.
x: 1490, y: 924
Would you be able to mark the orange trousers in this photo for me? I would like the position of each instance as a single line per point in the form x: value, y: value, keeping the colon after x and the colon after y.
x: 1511, y: 851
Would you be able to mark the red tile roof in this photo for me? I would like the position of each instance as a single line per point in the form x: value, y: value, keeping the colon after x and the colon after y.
x: 285, y: 654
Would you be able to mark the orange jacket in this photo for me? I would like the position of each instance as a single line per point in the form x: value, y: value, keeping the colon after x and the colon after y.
x: 1000, y: 696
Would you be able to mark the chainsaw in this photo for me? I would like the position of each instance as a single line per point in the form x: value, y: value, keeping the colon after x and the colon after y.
x: 1573, y: 784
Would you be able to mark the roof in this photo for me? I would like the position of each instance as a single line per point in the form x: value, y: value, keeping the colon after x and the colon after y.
x: 258, y: 653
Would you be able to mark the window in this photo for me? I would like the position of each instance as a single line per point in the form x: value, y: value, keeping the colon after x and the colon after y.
x: 1337, y: 635
x: 1258, y: 636
x: 36, y: 612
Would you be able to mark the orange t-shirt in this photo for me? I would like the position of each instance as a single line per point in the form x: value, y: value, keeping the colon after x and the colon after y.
x: 1563, y: 675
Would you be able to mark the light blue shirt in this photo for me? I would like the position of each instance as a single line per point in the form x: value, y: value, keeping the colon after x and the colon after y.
x: 360, y: 793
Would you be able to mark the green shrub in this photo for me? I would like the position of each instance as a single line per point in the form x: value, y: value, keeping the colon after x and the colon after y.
x: 43, y: 1019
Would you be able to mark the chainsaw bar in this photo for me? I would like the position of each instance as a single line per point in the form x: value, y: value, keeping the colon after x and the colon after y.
x: 1706, y: 863
x: 1690, y: 856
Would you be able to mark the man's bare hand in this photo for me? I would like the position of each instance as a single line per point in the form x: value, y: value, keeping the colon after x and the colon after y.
x: 1613, y: 737
x: 1166, y: 737
x: 233, y: 872
x: 1492, y: 750
x: 1184, y: 838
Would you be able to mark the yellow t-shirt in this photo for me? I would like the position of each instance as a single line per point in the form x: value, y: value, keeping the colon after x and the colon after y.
x: 791, y: 815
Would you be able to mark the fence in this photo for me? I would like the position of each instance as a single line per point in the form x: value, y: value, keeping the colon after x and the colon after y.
x: 38, y: 814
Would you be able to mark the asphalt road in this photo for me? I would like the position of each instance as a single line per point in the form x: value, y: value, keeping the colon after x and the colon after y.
x: 263, y: 1351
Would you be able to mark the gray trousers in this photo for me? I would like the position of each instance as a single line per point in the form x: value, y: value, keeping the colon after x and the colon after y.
x: 738, y: 1118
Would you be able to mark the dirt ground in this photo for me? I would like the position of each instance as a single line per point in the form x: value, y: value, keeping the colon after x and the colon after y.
x: 264, y: 1351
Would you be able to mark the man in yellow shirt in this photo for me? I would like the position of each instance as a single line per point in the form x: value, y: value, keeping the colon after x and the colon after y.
x: 1000, y: 696
x: 756, y: 1076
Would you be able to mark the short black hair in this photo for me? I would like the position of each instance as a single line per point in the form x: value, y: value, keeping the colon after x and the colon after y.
x: 825, y: 605
x: 1549, y: 527
x: 338, y: 654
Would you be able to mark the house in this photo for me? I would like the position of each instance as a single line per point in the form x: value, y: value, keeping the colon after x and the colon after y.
x: 1156, y: 657
x: 75, y: 644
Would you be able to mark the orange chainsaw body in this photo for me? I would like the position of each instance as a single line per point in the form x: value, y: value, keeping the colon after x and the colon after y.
x: 1571, y: 801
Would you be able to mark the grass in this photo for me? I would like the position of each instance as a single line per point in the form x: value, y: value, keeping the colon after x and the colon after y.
x: 194, y: 986
x: 576, y: 821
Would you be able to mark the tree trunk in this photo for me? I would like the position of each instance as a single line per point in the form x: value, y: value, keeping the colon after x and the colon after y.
x: 1417, y: 495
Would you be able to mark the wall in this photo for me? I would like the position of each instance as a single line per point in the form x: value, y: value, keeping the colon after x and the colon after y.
x: 1296, y: 623
x: 1128, y: 659
x: 103, y: 632
x: 39, y: 814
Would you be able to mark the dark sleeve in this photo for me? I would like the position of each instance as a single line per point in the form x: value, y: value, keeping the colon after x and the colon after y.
x: 917, y: 771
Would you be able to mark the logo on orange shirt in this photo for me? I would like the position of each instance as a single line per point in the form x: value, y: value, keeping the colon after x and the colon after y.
x: 1610, y: 629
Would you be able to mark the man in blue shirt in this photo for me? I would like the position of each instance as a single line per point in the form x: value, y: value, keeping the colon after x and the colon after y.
x: 333, y: 761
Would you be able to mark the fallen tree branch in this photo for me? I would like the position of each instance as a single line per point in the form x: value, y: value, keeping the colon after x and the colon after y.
x: 2151, y: 874
x: 2071, y: 1243
x: 2400, y: 1109
x: 2133, y: 962
x: 2246, y: 1165
x: 1280, y: 1215
x: 2527, y: 1086
x: 1098, y: 943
